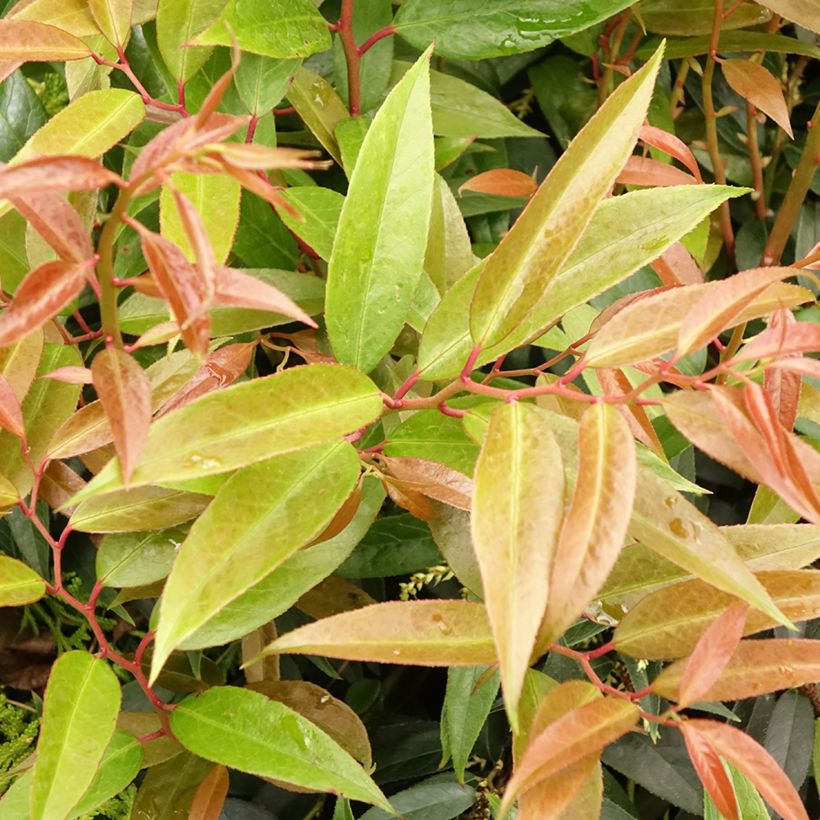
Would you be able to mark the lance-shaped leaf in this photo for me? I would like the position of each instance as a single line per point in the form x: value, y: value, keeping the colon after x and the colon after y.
x: 501, y: 182
x: 58, y: 223
x: 668, y: 623
x: 81, y: 704
x: 19, y: 584
x: 757, y: 85
x: 552, y: 223
x: 782, y: 340
x: 251, y: 733
x: 125, y: 394
x: 40, y: 296
x: 711, y: 654
x: 419, y: 633
x: 756, y: 668
x: 755, y: 762
x: 221, y: 557
x: 379, y: 249
x: 57, y: 173
x: 179, y: 22
x: 672, y: 145
x: 318, y: 212
x: 647, y: 171
x: 711, y: 771
x: 580, y: 732
x: 30, y: 41
x: 518, y: 504
x: 595, y: 525
x: 666, y: 522
x: 238, y: 289
x: 249, y: 422
x: 719, y: 308
x: 113, y: 17
x: 210, y: 795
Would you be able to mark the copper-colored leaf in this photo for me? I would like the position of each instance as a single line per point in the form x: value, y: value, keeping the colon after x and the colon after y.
x: 408, y: 498
x: 332, y: 596
x: 646, y: 171
x: 30, y: 41
x: 198, y: 240
x: 11, y: 416
x: 581, y: 732
x: 783, y: 385
x: 58, y: 223
x: 782, y: 340
x: 54, y: 173
x: 757, y: 85
x: 712, y: 653
x: 756, y: 763
x: 501, y: 182
x: 221, y: 368
x: 259, y: 186
x: 238, y: 289
x: 210, y: 795
x: 125, y: 394
x: 255, y: 157
x: 711, y: 771
x: 518, y: 504
x: 672, y: 145
x: 71, y: 374
x: 40, y: 296
x: 59, y: 484
x: 595, y: 525
x: 614, y: 382
x: 757, y: 667
x: 675, y: 266
x: 433, y: 479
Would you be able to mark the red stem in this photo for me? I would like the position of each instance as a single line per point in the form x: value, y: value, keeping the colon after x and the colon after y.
x: 352, y: 57
x: 374, y: 38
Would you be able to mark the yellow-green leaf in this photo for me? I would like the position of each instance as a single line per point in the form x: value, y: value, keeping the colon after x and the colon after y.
x: 178, y: 23
x: 113, y: 17
x: 19, y: 584
x: 30, y: 41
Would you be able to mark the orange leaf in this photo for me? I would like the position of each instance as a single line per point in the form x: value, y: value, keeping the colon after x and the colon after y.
x: 646, y: 171
x: 70, y: 375
x: 672, y: 145
x: 712, y: 653
x: 784, y: 386
x: 238, y: 289
x: 501, y: 182
x: 11, y: 416
x: 755, y: 84
x: 198, y: 237
x: 675, y: 266
x: 579, y: 733
x: 433, y: 479
x: 218, y: 89
x: 595, y: 525
x: 782, y: 340
x: 756, y: 763
x: 58, y: 223
x: 210, y: 795
x: 125, y: 394
x: 39, y: 297
x: 408, y: 498
x: 261, y: 187
x: 29, y: 41
x: 757, y: 667
x: 220, y: 369
x: 255, y: 157
x: 711, y: 771
x: 54, y: 173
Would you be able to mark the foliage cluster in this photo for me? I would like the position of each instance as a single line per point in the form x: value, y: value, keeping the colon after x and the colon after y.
x: 372, y: 446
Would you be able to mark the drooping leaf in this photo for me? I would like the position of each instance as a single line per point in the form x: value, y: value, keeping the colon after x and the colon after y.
x: 247, y: 731
x: 210, y: 795
x: 81, y: 704
x: 379, y: 250
x: 19, y: 584
x: 549, y: 228
x: 517, y: 509
x: 169, y: 787
x: 249, y: 422
x: 473, y: 30
x: 754, y: 83
x: 420, y: 633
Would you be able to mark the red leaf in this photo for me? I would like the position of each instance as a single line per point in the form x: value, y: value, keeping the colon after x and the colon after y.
x: 210, y: 795
x: 711, y: 771
x: 238, y: 289
x: 755, y: 84
x: 54, y: 173
x: 58, y: 223
x: 30, y: 41
x: 40, y: 296
x: 125, y: 394
x: 672, y: 145
x: 501, y: 182
x: 646, y: 171
x: 11, y: 416
x: 756, y: 763
x: 712, y: 653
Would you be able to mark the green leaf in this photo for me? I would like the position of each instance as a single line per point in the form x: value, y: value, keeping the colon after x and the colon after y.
x: 749, y: 801
x: 732, y: 42
x: 277, y: 592
x: 178, y: 23
x: 319, y: 210
x: 21, y: 114
x: 119, y: 766
x: 220, y: 559
x: 437, y: 798
x: 249, y: 422
x: 449, y: 254
x: 215, y: 198
x: 422, y: 633
x: 273, y: 28
x: 474, y: 29
x: 19, y: 584
x: 133, y: 560
x: 695, y: 16
x: 462, y: 110
x: 379, y: 250
x: 248, y: 732
x: 549, y: 228
x: 262, y: 81
x: 262, y: 241
x: 518, y: 505
x: 790, y: 735
x: 168, y: 789
x: 81, y: 704
x: 465, y: 711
